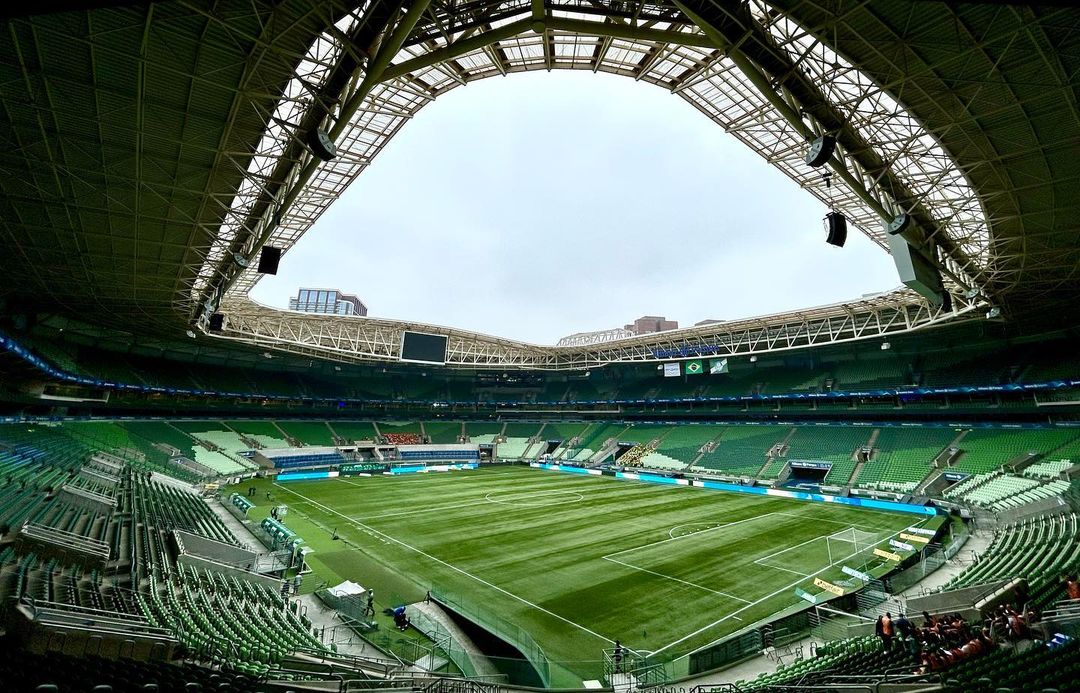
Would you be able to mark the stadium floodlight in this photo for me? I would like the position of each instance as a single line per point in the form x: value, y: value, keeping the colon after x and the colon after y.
x: 753, y: 359
x: 885, y: 346
x: 994, y: 312
x: 190, y: 333
x: 320, y: 144
x: 821, y: 150
x: 898, y: 224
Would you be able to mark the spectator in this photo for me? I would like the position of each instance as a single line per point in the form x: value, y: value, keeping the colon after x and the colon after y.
x: 1072, y: 587
x: 904, y: 627
x: 879, y: 628
x: 887, y: 630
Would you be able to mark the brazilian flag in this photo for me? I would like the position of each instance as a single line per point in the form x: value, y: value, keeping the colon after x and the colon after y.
x: 694, y: 368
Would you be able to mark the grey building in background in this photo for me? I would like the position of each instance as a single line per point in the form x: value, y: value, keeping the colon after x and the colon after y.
x: 330, y: 301
x: 651, y: 323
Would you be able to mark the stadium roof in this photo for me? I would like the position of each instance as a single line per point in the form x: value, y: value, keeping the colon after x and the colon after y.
x: 148, y: 145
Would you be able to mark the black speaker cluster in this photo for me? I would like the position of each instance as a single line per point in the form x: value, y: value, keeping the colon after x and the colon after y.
x: 836, y: 229
x: 269, y: 259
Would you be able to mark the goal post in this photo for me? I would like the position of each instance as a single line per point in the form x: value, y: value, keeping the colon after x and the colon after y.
x: 847, y: 543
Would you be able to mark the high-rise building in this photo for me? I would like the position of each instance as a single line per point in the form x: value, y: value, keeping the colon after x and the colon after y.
x: 329, y: 301
x: 652, y: 323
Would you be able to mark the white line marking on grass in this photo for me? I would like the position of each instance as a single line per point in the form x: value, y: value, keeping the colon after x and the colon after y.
x: 520, y: 498
x: 675, y: 579
x: 767, y: 596
x: 684, y: 536
x: 444, y: 563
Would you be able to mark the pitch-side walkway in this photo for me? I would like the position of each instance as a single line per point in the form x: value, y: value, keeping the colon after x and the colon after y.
x: 744, y: 671
x: 238, y: 528
x: 483, y: 665
x: 330, y: 628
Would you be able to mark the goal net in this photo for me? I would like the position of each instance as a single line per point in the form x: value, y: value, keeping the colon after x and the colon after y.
x: 847, y: 543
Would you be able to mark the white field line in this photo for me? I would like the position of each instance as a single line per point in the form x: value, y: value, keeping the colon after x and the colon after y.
x: 675, y: 579
x: 734, y: 614
x: 684, y: 536
x: 755, y: 603
x: 448, y: 565
x: 420, y: 511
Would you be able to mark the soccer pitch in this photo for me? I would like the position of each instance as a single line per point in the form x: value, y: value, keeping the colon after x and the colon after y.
x: 579, y: 561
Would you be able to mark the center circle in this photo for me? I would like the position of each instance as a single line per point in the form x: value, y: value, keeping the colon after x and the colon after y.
x: 536, y: 499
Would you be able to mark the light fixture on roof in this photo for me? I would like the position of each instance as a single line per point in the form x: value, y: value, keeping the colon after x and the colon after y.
x: 320, y: 144
x: 267, y: 355
x: 240, y: 260
x: 821, y: 150
x: 899, y: 224
x: 753, y: 359
x: 190, y: 333
x: 885, y: 346
x: 994, y: 312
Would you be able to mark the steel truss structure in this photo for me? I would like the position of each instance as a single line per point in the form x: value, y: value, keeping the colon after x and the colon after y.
x: 886, y: 163
x: 155, y: 148
x: 374, y: 340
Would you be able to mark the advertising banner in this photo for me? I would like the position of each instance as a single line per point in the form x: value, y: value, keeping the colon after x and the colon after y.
x: 885, y: 554
x: 829, y: 587
x: 914, y: 537
x: 362, y: 468
x: 671, y: 370
x: 855, y: 573
x: 901, y: 545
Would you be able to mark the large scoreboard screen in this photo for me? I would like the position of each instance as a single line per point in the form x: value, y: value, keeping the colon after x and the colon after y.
x: 420, y: 347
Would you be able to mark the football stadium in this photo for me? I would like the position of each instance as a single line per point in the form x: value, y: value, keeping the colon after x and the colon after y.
x: 201, y: 492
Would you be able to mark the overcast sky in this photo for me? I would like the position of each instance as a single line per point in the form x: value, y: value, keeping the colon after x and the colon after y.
x: 538, y: 205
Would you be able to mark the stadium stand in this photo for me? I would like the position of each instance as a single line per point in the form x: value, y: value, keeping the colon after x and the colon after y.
x: 1040, y: 550
x: 684, y: 443
x: 999, y: 491
x: 741, y: 450
x: 443, y: 431
x: 353, y: 431
x: 60, y: 672
x: 307, y: 432
x: 1050, y: 469
x: 266, y: 433
x: 984, y: 450
x: 834, y: 444
x: 483, y: 432
x: 902, y: 457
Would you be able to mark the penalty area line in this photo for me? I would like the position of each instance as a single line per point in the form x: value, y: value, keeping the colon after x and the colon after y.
x: 675, y: 579
x: 444, y: 563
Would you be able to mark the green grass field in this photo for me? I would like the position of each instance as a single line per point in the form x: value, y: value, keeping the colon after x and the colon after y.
x: 579, y: 561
